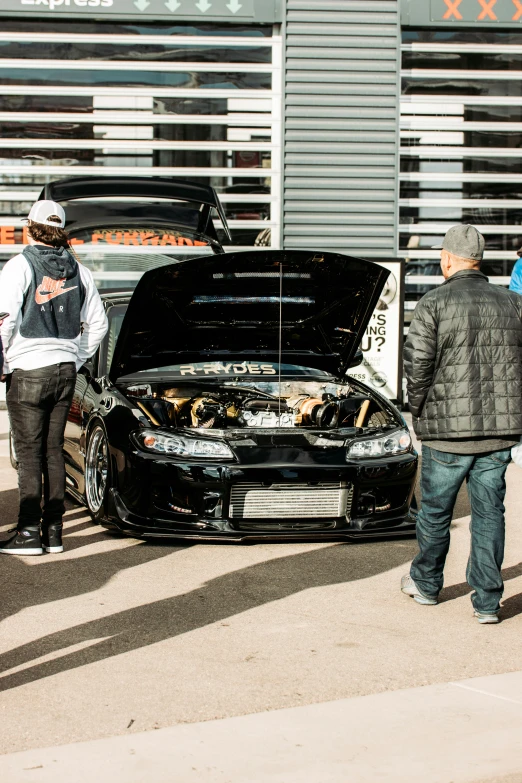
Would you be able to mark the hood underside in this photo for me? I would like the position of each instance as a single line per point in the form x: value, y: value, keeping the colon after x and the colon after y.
x: 297, y: 307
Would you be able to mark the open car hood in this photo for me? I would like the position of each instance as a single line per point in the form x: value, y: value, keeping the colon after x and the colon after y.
x: 296, y: 306
x: 190, y: 204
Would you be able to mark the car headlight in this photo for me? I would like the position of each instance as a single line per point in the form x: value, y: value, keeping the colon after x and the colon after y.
x: 178, y: 445
x: 398, y: 442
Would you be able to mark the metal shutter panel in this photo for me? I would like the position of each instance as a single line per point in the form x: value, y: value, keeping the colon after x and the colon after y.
x: 341, y: 89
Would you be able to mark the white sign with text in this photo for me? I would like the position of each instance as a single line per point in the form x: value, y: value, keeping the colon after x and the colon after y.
x: 382, y: 342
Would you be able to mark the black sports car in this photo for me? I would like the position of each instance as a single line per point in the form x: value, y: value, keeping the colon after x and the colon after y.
x: 219, y: 404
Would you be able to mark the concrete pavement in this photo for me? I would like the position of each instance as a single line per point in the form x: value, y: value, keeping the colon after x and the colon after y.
x: 116, y: 638
x: 460, y: 732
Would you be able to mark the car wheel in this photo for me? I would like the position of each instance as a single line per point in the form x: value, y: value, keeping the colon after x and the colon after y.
x: 12, y: 452
x: 97, y: 473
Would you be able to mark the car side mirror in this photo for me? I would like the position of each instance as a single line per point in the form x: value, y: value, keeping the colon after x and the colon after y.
x: 357, y: 359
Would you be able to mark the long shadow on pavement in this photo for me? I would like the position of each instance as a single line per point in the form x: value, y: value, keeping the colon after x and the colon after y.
x: 510, y: 607
x: 220, y: 598
x: 51, y: 578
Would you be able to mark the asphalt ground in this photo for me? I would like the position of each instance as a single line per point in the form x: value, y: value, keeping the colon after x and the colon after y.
x: 118, y: 636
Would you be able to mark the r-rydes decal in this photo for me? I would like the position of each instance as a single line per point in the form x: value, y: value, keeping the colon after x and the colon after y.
x: 216, y: 368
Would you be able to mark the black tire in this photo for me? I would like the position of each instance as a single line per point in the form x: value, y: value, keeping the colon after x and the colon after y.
x: 97, y: 472
x: 12, y: 452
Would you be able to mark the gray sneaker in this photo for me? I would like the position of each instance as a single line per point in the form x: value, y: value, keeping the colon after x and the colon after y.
x: 409, y: 587
x: 486, y: 619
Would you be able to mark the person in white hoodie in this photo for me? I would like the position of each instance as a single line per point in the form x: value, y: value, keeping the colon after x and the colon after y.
x: 55, y: 322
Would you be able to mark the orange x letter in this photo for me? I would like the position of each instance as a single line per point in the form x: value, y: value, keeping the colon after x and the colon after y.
x: 518, y: 12
x: 452, y: 9
x: 487, y: 12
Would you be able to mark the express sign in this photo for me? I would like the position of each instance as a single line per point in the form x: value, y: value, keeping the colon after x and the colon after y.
x: 51, y: 5
x: 222, y: 10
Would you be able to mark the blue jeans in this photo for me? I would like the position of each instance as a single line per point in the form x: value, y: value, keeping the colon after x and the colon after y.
x: 441, y: 478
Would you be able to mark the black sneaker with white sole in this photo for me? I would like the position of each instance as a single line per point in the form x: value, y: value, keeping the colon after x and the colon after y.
x: 24, y: 542
x: 52, y: 537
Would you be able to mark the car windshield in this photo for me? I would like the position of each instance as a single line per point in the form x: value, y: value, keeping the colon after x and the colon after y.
x: 119, y: 255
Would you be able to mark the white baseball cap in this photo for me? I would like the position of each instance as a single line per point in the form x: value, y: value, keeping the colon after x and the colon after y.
x: 41, y: 211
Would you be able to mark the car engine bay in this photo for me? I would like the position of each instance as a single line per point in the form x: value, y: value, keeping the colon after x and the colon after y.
x: 262, y: 405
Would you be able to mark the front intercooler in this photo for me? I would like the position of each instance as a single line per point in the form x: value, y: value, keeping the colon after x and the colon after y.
x: 322, y: 500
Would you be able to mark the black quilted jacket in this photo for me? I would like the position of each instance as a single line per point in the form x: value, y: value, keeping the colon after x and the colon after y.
x: 463, y: 360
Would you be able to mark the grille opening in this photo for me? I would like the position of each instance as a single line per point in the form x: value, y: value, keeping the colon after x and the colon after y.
x: 320, y: 500
x: 286, y: 526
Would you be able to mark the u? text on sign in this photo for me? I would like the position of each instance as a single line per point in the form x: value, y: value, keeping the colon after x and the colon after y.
x: 381, y: 345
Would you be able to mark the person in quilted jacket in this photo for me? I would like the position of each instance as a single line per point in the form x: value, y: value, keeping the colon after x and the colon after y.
x: 463, y: 362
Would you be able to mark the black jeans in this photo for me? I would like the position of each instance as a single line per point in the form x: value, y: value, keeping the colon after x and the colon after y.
x: 38, y: 402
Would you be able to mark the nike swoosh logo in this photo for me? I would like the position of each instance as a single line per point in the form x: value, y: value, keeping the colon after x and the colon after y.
x: 50, y: 289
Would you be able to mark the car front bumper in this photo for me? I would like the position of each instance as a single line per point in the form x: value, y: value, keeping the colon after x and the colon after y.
x: 379, y: 494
